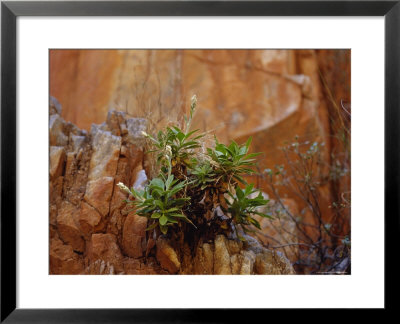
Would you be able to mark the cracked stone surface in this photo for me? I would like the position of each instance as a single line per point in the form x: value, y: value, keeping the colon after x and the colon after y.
x: 93, y: 231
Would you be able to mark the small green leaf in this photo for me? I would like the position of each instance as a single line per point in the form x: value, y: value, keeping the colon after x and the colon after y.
x: 163, y: 220
x: 157, y: 182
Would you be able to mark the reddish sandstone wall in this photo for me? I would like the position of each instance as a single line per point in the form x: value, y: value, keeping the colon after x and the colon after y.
x: 273, y: 95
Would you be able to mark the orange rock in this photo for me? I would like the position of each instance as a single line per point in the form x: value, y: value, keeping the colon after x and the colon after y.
x: 100, y: 267
x: 134, y: 236
x: 204, y: 260
x: 70, y: 163
x: 81, y: 79
x: 67, y: 220
x: 222, y: 259
x: 132, y: 266
x: 98, y: 194
x: 55, y: 188
x: 167, y: 256
x: 118, y: 199
x: 272, y: 95
x: 104, y: 247
x: 57, y: 159
x: 89, y: 218
x: 63, y: 260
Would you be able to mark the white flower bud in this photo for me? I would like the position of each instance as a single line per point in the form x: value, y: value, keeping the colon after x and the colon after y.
x: 168, y: 149
x: 144, y: 134
x: 194, y: 100
x: 123, y: 187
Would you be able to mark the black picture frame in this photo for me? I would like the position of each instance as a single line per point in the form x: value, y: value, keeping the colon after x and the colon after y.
x: 9, y: 13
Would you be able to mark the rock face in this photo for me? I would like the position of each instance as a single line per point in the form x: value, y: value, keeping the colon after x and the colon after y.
x: 167, y: 256
x: 229, y: 256
x: 106, y: 148
x: 67, y: 226
x: 104, y: 247
x: 57, y: 161
x: 134, y: 236
x: 63, y: 260
x: 272, y: 95
x: 92, y: 231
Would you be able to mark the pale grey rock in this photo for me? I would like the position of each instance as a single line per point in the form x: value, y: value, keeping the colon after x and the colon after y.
x: 272, y: 262
x: 248, y: 260
x: 135, y: 128
x: 77, y: 142
x: 95, y: 128
x: 106, y: 149
x: 56, y: 126
x: 222, y: 260
x: 55, y: 106
x: 115, y: 119
x: 57, y: 161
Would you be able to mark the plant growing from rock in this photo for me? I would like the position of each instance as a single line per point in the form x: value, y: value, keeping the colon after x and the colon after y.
x: 242, y: 207
x: 232, y: 161
x: 196, y: 194
x: 158, y: 200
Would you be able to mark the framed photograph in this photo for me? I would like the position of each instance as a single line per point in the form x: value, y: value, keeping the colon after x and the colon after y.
x: 179, y: 155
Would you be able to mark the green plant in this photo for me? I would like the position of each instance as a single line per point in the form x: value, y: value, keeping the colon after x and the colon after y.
x: 243, y: 208
x: 232, y: 161
x: 177, y: 143
x: 160, y: 201
x: 182, y: 200
x: 204, y: 174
